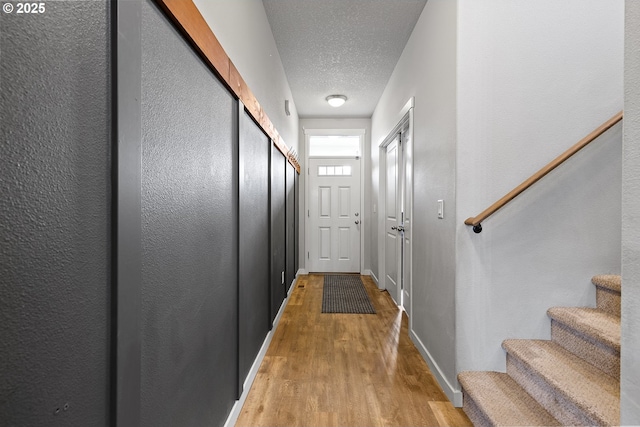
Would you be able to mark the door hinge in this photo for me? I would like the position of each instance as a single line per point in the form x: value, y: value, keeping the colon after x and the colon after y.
x: 307, y: 255
x: 308, y: 213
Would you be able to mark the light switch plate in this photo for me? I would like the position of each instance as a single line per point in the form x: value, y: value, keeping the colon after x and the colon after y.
x: 441, y: 209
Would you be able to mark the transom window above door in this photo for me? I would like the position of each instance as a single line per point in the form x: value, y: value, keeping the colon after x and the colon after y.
x: 334, y: 146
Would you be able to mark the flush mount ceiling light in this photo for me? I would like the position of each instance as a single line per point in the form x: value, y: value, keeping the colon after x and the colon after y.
x: 336, y: 100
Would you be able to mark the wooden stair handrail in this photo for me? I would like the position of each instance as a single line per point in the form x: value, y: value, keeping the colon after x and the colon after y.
x: 477, y: 220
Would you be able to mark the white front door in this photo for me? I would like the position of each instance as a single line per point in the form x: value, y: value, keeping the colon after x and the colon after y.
x: 393, y: 204
x: 334, y: 215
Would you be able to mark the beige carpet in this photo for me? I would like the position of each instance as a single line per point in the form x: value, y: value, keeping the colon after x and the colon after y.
x: 572, y: 379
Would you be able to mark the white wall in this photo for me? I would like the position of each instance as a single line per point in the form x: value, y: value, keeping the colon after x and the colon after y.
x: 243, y: 30
x: 347, y: 123
x: 502, y: 87
x: 630, y: 346
x: 427, y: 70
x: 533, y: 79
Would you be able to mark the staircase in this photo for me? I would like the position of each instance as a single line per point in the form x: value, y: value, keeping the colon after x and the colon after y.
x: 573, y: 379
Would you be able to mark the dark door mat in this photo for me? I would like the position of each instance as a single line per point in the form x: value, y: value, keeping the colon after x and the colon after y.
x: 345, y: 294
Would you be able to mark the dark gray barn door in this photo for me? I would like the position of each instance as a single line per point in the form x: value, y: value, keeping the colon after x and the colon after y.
x: 254, y: 244
x: 189, y: 339
x: 278, y: 237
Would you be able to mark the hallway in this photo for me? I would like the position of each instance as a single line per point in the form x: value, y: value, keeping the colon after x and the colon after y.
x: 156, y: 217
x: 344, y: 369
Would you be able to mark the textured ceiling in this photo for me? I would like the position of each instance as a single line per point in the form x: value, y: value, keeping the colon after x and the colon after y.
x: 347, y: 47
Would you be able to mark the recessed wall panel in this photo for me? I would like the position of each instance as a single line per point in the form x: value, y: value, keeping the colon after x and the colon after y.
x: 254, y: 244
x: 55, y: 203
x: 392, y: 176
x: 324, y: 242
x: 391, y: 255
x: 324, y: 203
x: 296, y: 262
x: 189, y: 357
x: 344, y: 202
x: 290, y: 272
x: 278, y: 229
x: 344, y: 243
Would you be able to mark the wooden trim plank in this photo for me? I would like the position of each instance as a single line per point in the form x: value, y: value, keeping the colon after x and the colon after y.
x: 236, y: 83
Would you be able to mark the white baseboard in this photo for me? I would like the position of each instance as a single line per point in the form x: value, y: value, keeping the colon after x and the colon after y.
x: 237, y: 407
x: 302, y: 271
x: 373, y: 276
x: 292, y: 287
x: 455, y: 396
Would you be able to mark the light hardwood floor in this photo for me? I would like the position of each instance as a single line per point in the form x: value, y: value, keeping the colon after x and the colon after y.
x: 345, y: 369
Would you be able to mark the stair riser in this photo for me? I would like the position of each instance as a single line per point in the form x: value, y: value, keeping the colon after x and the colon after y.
x: 555, y: 403
x: 608, y: 301
x: 473, y: 412
x: 596, y: 353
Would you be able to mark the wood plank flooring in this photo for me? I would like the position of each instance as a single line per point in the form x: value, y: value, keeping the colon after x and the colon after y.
x: 344, y: 369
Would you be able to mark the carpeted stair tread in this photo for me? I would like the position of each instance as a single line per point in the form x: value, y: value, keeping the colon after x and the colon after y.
x: 588, y: 388
x: 609, y: 281
x: 502, y: 401
x: 591, y: 322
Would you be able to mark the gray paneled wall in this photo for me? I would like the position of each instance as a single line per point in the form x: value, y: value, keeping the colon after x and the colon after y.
x: 296, y: 225
x: 189, y: 234
x: 205, y: 194
x: 55, y: 236
x: 290, y: 272
x: 278, y: 230
x: 254, y: 244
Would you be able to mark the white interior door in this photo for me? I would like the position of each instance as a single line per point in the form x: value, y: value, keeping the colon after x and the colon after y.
x: 334, y: 215
x: 393, y: 239
x: 396, y: 200
x: 407, y: 220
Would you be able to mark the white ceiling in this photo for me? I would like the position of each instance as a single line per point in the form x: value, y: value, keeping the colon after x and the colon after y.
x: 347, y: 47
